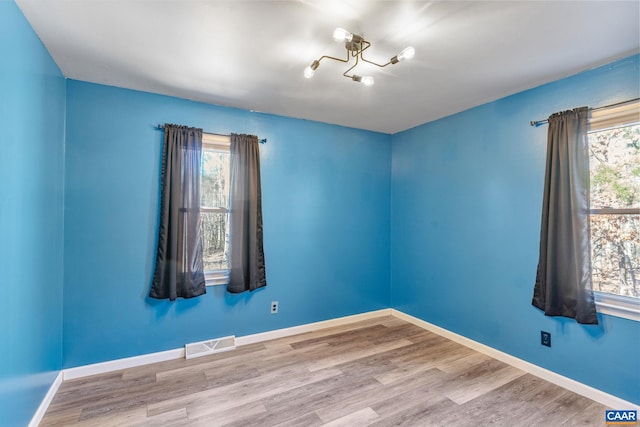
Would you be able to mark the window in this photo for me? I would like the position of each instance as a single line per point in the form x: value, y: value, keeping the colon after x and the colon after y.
x: 214, y: 207
x: 614, y: 162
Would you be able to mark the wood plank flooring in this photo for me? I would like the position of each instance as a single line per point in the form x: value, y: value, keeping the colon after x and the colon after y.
x: 378, y: 372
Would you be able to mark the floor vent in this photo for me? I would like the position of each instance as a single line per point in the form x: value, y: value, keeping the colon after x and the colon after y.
x: 203, y: 348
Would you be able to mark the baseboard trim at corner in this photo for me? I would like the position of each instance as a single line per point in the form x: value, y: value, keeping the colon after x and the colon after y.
x: 146, y: 359
x: 118, y: 364
x: 309, y: 327
x: 599, y: 396
x: 44, y: 405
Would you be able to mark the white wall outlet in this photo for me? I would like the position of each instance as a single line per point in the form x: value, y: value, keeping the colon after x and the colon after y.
x: 274, y: 307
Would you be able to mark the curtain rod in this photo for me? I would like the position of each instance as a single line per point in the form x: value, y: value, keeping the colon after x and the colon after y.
x: 261, y: 141
x: 543, y: 122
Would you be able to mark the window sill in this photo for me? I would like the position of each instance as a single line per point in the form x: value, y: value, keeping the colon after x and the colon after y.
x: 619, y: 306
x: 216, y: 278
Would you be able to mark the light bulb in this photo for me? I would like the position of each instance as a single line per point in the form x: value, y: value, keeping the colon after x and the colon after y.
x: 311, y: 69
x: 308, y: 72
x: 367, y: 80
x: 407, y: 53
x: 342, y: 35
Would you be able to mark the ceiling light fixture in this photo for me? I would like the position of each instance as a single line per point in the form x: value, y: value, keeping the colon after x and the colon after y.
x: 355, y: 46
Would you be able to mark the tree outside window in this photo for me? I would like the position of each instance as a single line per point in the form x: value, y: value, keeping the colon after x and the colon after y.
x: 615, y: 210
x: 214, y: 207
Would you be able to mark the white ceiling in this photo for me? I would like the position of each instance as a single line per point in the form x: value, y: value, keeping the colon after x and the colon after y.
x: 251, y: 54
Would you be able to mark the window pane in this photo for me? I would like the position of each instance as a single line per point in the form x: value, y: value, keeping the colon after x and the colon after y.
x: 614, y: 164
x: 214, y: 236
x: 214, y: 190
x: 615, y: 254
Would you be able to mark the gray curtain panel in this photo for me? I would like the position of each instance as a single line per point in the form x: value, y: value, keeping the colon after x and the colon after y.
x: 179, y: 267
x: 247, y: 265
x: 563, y: 280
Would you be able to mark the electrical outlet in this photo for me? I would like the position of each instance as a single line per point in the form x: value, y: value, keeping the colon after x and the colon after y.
x: 274, y: 307
x: 545, y: 338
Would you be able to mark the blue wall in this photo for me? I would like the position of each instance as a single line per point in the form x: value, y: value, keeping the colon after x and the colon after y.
x: 32, y: 108
x: 450, y: 208
x: 466, y: 203
x: 326, y: 207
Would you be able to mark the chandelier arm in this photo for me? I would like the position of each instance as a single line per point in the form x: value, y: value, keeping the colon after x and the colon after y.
x: 362, y: 49
x: 352, y: 67
x: 361, y: 54
x: 334, y: 58
x: 377, y: 65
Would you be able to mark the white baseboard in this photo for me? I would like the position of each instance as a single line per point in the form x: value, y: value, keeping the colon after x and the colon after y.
x: 37, y: 417
x: 145, y: 359
x: 118, y: 364
x: 129, y: 362
x: 606, y: 399
x: 301, y: 329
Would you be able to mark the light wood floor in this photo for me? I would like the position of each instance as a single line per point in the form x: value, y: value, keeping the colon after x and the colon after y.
x: 379, y: 372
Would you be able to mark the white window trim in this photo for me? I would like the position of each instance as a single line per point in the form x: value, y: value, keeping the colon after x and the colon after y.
x: 221, y: 143
x: 216, y: 142
x: 216, y: 278
x: 624, y: 114
x: 618, y: 305
x: 608, y: 118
